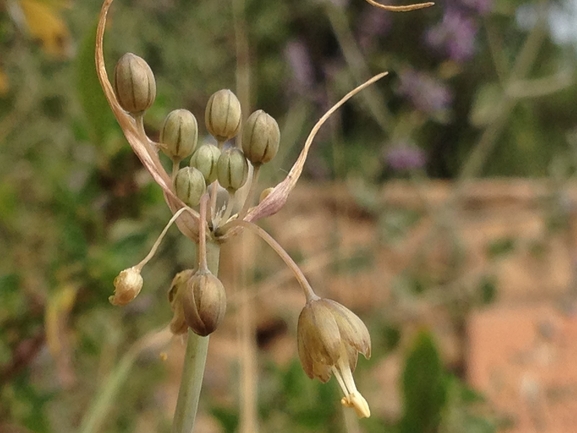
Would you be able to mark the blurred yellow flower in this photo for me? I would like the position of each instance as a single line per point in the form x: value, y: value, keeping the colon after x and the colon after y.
x: 44, y: 22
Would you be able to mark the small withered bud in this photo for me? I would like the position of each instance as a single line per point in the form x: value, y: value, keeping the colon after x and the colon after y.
x: 232, y: 169
x: 260, y: 137
x: 223, y: 115
x: 205, y: 159
x: 189, y: 185
x: 179, y: 134
x: 127, y: 286
x: 204, y: 303
x: 178, y: 324
x: 330, y: 337
x: 134, y: 84
x: 264, y: 194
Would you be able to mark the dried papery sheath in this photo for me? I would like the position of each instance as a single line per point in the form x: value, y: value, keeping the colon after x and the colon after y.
x: 134, y: 84
x: 232, y: 169
x: 260, y: 137
x: 141, y: 145
x: 127, y: 286
x: 204, y: 303
x: 189, y: 185
x: 223, y: 115
x: 205, y: 159
x: 179, y: 134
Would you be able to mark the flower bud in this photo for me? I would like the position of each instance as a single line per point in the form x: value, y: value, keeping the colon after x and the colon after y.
x: 260, y: 137
x: 223, y: 115
x: 205, y: 159
x: 189, y: 185
x: 127, y: 286
x: 179, y: 134
x: 134, y: 84
x: 232, y: 169
x: 178, y: 325
x: 204, y: 303
x: 265, y: 193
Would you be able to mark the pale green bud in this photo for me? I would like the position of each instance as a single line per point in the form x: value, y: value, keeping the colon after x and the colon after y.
x: 134, y: 84
x: 127, y: 286
x: 189, y: 185
x: 204, y: 303
x: 205, y: 159
x: 232, y: 169
x: 260, y: 137
x: 179, y: 134
x: 223, y: 115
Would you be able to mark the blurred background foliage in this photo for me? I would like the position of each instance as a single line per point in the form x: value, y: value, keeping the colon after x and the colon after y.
x: 476, y: 88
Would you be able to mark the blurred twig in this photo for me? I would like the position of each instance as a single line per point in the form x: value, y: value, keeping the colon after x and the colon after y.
x: 106, y: 398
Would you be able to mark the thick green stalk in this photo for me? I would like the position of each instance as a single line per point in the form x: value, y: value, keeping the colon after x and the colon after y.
x: 194, y: 362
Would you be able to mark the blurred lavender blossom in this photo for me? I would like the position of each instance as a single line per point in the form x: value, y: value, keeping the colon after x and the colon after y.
x: 370, y: 26
x: 482, y: 7
x: 454, y: 35
x: 298, y: 58
x: 425, y: 92
x: 403, y: 156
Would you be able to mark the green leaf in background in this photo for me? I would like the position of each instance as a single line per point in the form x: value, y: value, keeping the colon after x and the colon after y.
x: 423, y: 387
x: 98, y: 115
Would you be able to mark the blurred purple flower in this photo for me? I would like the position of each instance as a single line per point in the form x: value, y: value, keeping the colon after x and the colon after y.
x: 482, y: 7
x: 426, y: 93
x: 404, y: 157
x: 370, y: 26
x: 299, y: 60
x: 454, y: 36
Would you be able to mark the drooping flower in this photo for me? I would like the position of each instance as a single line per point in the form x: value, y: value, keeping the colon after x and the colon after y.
x: 330, y: 337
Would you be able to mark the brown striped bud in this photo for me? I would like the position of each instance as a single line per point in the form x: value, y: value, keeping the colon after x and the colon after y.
x: 223, y: 115
x: 189, y: 185
x: 204, y: 303
x: 205, y: 159
x: 134, y: 84
x: 260, y: 137
x: 179, y: 134
x: 232, y: 169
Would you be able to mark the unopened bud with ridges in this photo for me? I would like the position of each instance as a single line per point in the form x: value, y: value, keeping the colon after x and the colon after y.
x: 260, y: 137
x: 127, y: 286
x: 179, y: 134
x: 134, y: 84
x: 189, y: 185
x: 205, y: 159
x: 264, y: 194
x: 204, y: 303
x: 178, y: 324
x: 232, y: 169
x: 223, y: 115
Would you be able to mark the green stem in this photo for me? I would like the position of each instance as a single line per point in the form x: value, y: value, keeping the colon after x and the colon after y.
x: 194, y: 362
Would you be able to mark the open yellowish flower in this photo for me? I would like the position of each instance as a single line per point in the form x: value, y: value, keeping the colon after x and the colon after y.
x: 330, y: 337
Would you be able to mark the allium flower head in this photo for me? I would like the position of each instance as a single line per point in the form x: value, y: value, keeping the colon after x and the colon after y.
x: 330, y: 338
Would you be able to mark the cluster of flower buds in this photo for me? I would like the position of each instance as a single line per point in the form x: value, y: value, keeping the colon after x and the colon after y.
x: 329, y: 335
x: 197, y: 298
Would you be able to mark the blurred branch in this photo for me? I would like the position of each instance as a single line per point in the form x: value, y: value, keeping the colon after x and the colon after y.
x: 357, y: 65
x: 522, y: 66
x: 540, y: 86
x: 106, y: 398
